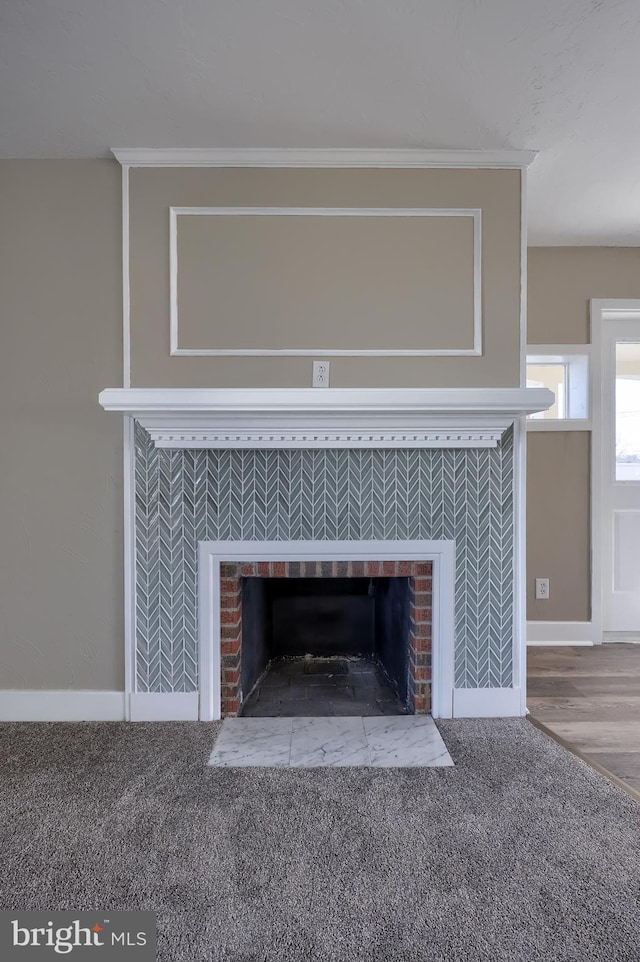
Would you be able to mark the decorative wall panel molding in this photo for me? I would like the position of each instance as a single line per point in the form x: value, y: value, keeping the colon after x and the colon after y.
x: 474, y: 348
x: 186, y: 496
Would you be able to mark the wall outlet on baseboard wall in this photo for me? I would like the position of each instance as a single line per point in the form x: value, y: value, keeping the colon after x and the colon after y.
x: 320, y: 377
x: 542, y: 589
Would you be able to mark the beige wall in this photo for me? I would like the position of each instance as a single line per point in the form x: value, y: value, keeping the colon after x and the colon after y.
x: 561, y: 281
x: 61, y: 506
x: 558, y: 505
x: 60, y: 513
x: 495, y: 192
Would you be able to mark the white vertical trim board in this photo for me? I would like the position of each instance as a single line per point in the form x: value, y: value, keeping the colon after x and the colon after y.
x: 175, y: 212
x: 519, y: 561
x: 164, y: 706
x: 524, y: 267
x: 597, y: 506
x: 173, y: 281
x: 212, y: 553
x: 130, y: 602
x: 21, y: 705
x: 443, y: 629
x: 128, y: 451
x: 519, y: 680
x: 126, y: 282
x: 477, y: 282
x: 560, y: 633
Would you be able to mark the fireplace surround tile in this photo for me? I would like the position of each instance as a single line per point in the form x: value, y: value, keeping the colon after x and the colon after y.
x: 186, y: 496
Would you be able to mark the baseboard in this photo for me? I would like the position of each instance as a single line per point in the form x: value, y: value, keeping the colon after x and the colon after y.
x: 18, y: 705
x: 559, y: 633
x: 164, y: 706
x: 487, y: 702
x: 621, y: 637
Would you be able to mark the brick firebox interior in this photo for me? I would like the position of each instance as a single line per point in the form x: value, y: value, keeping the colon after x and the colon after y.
x: 418, y: 573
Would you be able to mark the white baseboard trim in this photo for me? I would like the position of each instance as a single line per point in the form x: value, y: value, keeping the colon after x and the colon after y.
x: 621, y: 637
x: 21, y: 705
x: 164, y: 706
x: 559, y: 633
x: 487, y: 702
x: 68, y: 705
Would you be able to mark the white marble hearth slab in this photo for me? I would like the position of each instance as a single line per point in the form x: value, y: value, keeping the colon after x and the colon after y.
x: 405, y: 741
x: 328, y: 742
x: 250, y: 741
x: 390, y: 741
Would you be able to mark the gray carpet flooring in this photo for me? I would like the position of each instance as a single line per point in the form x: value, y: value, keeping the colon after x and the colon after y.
x: 520, y: 852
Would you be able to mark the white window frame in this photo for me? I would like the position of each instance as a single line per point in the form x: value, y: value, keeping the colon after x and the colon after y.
x: 576, y: 358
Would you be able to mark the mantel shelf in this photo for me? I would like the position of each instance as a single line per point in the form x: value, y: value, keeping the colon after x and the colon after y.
x: 329, y: 418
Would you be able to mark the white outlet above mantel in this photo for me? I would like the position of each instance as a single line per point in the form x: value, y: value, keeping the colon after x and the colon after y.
x: 333, y: 418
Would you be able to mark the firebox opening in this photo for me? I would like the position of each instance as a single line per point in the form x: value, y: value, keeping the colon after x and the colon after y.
x: 325, y: 645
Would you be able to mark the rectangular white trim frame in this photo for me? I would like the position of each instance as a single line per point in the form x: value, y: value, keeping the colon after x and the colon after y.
x: 211, y: 554
x: 175, y: 212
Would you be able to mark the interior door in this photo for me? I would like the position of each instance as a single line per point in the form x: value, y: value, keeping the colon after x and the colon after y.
x: 621, y: 475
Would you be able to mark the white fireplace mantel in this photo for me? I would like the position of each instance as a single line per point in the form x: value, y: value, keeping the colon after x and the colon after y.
x: 325, y: 418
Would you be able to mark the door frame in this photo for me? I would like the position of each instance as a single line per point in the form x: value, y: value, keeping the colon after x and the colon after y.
x: 601, y: 311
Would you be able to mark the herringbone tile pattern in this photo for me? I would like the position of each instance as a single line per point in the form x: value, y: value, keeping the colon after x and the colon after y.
x: 183, y: 497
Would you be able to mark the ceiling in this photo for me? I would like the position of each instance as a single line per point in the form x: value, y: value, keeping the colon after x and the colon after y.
x: 558, y: 76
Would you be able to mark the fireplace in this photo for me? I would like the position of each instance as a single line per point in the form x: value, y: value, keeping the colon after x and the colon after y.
x: 344, y: 475
x: 420, y: 572
x: 373, y: 609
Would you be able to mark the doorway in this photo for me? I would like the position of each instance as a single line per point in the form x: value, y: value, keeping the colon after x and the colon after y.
x: 616, y: 469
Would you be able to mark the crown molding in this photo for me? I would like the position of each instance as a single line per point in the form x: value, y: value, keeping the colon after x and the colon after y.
x: 332, y: 418
x: 323, y: 157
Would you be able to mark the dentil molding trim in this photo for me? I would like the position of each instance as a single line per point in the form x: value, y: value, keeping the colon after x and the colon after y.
x: 331, y: 418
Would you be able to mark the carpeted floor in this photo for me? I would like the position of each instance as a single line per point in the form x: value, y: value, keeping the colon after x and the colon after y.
x: 520, y: 852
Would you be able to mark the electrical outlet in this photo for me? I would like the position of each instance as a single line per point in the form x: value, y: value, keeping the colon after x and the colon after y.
x: 320, y: 374
x: 542, y: 589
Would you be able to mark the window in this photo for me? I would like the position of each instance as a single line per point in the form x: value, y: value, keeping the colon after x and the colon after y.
x: 567, y: 375
x: 553, y: 376
x: 627, y: 411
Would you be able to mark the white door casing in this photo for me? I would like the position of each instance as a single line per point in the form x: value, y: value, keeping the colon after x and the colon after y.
x: 615, y: 491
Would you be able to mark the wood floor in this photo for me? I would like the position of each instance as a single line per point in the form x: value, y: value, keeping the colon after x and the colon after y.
x: 590, y: 699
